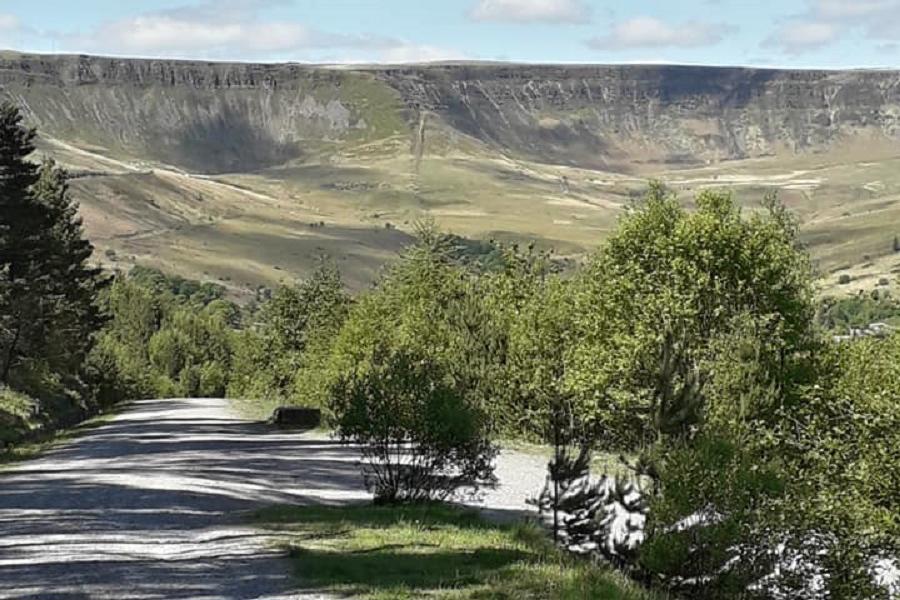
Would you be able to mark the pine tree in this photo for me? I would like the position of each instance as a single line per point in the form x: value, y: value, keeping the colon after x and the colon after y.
x: 48, y: 290
x: 72, y: 281
x: 602, y: 517
x: 21, y: 224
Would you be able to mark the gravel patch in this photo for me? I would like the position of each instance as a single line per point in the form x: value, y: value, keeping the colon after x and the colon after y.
x: 153, y: 505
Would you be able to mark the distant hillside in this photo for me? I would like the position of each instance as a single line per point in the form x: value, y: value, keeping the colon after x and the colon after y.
x: 216, y: 117
x: 172, y: 152
x: 622, y: 116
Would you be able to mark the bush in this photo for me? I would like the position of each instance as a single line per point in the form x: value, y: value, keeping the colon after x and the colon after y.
x: 167, y: 337
x: 18, y: 416
x: 419, y: 437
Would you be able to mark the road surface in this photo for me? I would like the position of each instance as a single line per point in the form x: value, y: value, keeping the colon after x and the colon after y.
x: 154, y: 505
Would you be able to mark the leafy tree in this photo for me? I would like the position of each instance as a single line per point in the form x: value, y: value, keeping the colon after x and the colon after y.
x: 428, y: 304
x: 282, y: 357
x: 162, y: 343
x: 136, y: 314
x: 526, y: 307
x: 840, y: 449
x: 667, y: 272
x: 428, y: 309
x: 184, y: 290
x: 652, y: 312
x: 419, y: 436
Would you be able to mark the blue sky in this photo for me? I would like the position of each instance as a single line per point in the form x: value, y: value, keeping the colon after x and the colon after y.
x: 798, y: 33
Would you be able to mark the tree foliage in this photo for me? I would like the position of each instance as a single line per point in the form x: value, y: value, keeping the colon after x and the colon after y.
x: 48, y: 290
x: 419, y: 436
x: 281, y: 356
x: 419, y: 347
x: 670, y: 273
x: 167, y: 337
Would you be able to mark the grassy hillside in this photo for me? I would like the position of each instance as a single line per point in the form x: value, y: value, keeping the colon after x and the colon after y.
x: 246, y: 174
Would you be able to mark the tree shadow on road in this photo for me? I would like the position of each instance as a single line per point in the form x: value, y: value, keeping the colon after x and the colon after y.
x: 157, y: 506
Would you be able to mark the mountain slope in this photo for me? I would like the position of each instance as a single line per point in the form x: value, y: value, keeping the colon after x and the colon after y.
x: 245, y: 173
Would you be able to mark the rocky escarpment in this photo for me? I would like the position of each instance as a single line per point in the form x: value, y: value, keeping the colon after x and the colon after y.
x: 620, y: 115
x: 215, y: 117
x: 208, y: 117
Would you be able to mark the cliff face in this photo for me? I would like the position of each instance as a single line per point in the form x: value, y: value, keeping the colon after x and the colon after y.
x: 205, y: 117
x: 216, y: 117
x: 616, y: 115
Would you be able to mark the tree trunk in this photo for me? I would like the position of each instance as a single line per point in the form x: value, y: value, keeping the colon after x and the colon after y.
x: 555, y: 477
x: 10, y: 354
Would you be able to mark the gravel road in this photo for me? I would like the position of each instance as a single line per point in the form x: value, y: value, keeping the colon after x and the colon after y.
x: 153, y: 505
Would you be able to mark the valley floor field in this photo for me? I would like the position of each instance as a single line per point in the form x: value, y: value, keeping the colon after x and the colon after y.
x: 360, y: 205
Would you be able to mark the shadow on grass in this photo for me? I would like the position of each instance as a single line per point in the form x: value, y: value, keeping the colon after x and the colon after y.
x: 371, y: 515
x: 369, y: 549
x: 34, y: 443
x: 388, y: 568
x: 435, y: 550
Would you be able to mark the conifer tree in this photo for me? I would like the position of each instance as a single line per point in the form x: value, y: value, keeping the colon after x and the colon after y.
x: 72, y: 281
x: 47, y: 302
x: 21, y: 223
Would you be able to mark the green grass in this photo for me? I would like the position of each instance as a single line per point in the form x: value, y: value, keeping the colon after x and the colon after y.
x: 17, y: 415
x: 49, y: 439
x: 434, y: 551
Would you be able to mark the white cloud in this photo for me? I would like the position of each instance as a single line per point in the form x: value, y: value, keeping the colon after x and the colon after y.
x: 798, y: 37
x: 416, y: 53
x: 878, y: 19
x: 827, y: 21
x: 163, y: 35
x: 9, y: 23
x: 649, y: 32
x: 531, y: 11
x: 234, y: 30
x: 853, y: 9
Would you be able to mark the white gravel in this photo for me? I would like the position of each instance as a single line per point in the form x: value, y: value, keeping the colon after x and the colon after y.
x: 153, y: 506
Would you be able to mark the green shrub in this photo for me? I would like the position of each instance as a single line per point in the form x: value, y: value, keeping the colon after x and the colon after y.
x: 839, y: 314
x: 419, y: 436
x: 280, y: 361
x: 18, y: 416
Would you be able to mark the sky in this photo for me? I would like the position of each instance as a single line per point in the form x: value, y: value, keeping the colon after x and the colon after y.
x: 786, y: 33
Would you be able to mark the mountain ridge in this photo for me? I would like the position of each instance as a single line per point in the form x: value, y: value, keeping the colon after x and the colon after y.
x: 594, y: 116
x: 180, y: 163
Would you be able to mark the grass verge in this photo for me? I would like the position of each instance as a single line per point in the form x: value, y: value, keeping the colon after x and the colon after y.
x: 434, y: 551
x: 50, y: 439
